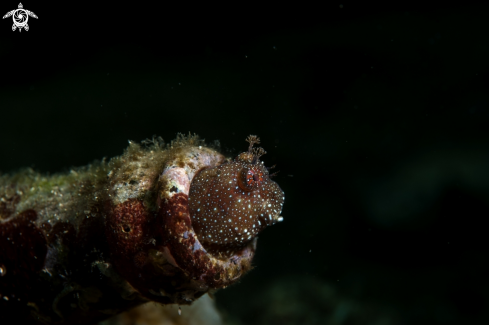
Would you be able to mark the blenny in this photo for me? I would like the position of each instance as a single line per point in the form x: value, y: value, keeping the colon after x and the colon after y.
x: 163, y: 223
x: 231, y: 203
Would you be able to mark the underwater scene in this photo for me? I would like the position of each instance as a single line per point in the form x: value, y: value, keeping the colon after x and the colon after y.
x: 167, y: 163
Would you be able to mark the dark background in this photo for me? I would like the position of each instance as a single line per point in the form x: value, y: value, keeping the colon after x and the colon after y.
x: 376, y: 116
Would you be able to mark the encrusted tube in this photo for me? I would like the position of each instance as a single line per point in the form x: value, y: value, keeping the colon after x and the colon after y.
x: 80, y: 247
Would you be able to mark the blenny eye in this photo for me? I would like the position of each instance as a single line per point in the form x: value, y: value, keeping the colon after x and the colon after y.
x: 250, y: 178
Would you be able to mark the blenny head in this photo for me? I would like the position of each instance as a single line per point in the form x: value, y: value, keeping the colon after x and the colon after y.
x: 231, y: 203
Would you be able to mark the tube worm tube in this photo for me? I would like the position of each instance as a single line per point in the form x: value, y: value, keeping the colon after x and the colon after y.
x: 159, y: 223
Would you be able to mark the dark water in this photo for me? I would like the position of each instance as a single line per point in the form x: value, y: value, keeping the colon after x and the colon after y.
x: 376, y: 116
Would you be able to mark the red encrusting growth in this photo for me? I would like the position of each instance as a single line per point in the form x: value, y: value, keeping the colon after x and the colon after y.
x: 133, y: 232
x: 128, y: 234
x: 127, y: 226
